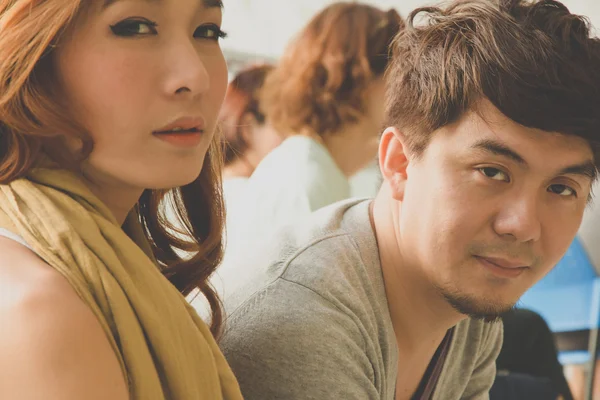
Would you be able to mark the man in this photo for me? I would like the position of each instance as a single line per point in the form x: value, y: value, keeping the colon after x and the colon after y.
x: 488, y: 163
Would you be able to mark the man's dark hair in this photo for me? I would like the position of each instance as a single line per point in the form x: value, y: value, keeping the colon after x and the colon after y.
x: 533, y: 60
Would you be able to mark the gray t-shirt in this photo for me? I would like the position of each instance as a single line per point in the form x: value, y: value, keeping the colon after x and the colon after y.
x: 312, y: 320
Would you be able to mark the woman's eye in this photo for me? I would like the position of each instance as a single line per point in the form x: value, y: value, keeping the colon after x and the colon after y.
x: 494, y: 173
x: 562, y: 190
x: 134, y: 27
x: 209, y: 31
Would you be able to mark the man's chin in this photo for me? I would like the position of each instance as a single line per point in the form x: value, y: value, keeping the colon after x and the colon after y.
x: 478, y: 308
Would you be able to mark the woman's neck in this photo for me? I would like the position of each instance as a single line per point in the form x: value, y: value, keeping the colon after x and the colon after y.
x: 118, y: 197
x: 350, y: 144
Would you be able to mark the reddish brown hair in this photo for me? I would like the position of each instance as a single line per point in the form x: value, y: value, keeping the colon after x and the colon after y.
x: 535, y: 61
x: 320, y: 83
x: 32, y: 115
x: 241, y: 98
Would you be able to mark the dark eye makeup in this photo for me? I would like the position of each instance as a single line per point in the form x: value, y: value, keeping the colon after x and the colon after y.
x: 139, y: 26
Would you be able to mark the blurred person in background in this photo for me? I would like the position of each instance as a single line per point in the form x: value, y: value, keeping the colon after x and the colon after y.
x: 326, y: 97
x: 528, y: 360
x: 246, y: 134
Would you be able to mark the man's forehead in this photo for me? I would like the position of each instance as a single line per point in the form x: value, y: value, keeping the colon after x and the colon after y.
x: 489, y: 123
x: 528, y: 147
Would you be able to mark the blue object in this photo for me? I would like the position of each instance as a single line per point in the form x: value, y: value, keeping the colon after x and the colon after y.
x: 568, y: 298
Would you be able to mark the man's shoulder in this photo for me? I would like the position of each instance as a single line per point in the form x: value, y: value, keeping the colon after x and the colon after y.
x: 287, y: 342
x: 323, y: 255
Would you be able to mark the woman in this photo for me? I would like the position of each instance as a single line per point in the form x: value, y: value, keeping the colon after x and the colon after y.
x: 107, y: 109
x: 247, y: 136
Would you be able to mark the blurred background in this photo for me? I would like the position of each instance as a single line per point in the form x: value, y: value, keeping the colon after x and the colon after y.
x: 259, y: 29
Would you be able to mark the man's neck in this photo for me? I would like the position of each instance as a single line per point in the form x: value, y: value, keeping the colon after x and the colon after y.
x: 419, y: 313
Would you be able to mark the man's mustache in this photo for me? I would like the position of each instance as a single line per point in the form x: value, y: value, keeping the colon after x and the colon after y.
x: 522, y: 252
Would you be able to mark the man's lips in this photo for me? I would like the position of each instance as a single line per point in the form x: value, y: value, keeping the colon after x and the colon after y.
x: 502, y: 267
x: 505, y: 262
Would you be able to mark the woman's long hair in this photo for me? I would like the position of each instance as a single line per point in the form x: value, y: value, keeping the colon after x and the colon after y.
x: 33, y: 123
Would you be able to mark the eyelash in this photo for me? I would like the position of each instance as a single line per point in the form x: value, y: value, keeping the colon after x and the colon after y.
x: 219, y: 33
x: 127, y: 28
x: 574, y: 192
x: 482, y: 170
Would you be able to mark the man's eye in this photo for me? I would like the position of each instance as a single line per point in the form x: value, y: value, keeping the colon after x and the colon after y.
x: 562, y: 190
x: 494, y: 173
x: 134, y: 27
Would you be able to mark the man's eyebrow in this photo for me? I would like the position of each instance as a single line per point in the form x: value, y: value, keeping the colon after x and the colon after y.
x: 500, y: 149
x: 587, y: 168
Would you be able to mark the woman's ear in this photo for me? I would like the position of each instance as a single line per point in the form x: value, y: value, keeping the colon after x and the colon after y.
x: 394, y: 160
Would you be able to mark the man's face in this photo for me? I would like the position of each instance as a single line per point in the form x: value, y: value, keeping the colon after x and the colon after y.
x: 490, y: 207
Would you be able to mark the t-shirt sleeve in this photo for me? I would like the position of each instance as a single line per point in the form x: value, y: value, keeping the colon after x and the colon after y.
x: 288, y: 342
x: 484, y: 374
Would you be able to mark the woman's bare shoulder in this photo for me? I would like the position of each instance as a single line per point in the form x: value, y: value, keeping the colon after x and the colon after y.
x: 51, y: 344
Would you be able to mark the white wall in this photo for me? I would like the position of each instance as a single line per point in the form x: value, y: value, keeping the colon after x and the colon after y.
x: 261, y: 28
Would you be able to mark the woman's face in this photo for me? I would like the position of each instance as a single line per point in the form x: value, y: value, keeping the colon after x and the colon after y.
x: 146, y: 79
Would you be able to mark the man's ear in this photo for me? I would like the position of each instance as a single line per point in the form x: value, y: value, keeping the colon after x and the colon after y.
x: 394, y: 160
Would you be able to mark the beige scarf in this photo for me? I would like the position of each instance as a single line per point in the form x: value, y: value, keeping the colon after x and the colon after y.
x: 165, y: 350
